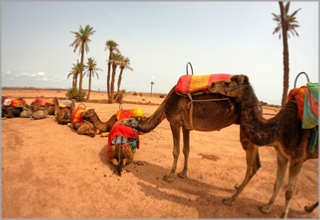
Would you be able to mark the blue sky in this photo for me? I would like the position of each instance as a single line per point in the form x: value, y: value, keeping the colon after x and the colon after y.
x: 159, y: 38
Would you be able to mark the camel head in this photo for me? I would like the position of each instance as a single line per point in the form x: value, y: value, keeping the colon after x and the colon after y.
x: 89, y: 113
x: 230, y: 87
x: 133, y: 121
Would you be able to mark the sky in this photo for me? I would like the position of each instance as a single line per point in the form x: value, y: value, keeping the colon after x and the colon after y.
x: 159, y: 38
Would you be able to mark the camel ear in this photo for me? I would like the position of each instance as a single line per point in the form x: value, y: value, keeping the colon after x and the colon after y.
x: 243, y: 79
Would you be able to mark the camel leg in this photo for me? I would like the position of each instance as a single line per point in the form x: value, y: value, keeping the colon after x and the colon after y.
x: 253, y: 164
x: 294, y: 170
x: 128, y: 154
x: 281, y: 171
x: 113, y: 155
x: 186, y: 150
x: 312, y: 207
x: 251, y: 154
x: 176, y: 151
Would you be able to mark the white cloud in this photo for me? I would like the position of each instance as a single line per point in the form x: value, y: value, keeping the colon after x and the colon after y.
x: 40, y: 73
x: 24, y: 74
x: 32, y: 75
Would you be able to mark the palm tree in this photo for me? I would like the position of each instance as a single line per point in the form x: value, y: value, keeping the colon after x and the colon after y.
x: 115, y: 61
x: 111, y: 46
x: 75, y: 72
x: 152, y: 83
x: 91, y: 71
x: 287, y: 24
x: 124, y: 64
x: 81, y: 41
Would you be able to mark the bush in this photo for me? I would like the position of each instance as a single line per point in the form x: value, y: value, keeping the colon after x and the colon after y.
x: 76, y: 94
x: 134, y: 93
x: 161, y: 96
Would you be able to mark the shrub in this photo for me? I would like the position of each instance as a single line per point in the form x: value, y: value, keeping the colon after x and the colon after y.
x: 134, y: 93
x: 76, y: 94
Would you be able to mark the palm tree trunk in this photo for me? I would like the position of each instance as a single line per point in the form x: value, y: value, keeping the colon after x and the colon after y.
x: 114, y: 67
x: 285, y: 55
x: 89, y: 90
x: 81, y: 69
x: 108, y: 82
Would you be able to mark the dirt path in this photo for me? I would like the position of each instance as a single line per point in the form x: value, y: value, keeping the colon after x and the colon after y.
x: 49, y: 171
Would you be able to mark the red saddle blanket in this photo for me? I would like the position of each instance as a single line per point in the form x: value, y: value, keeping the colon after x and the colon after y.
x: 43, y: 101
x: 18, y: 102
x: 194, y: 83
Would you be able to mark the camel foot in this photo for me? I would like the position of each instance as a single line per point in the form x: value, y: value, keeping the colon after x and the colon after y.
x: 168, y: 178
x: 182, y: 175
x: 237, y: 186
x: 104, y: 134
x: 308, y: 208
x: 229, y: 201
x: 115, y: 162
x: 266, y: 209
x: 283, y: 215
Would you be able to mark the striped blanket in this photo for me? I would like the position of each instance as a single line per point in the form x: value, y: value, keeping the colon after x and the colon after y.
x: 307, y: 102
x: 194, y: 83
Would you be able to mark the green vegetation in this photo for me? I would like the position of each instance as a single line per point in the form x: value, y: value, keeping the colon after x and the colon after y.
x: 76, y: 94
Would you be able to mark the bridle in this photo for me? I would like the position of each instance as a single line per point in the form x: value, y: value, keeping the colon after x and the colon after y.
x: 234, y: 88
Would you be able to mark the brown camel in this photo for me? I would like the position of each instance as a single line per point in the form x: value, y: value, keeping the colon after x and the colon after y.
x: 103, y: 127
x: 201, y: 112
x: 63, y: 113
x: 119, y: 154
x: 26, y: 112
x: 39, y: 112
x: 284, y: 132
x: 81, y: 124
x: 45, y: 104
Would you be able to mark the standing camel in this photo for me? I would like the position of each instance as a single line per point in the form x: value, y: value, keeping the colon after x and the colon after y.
x: 284, y: 132
x: 201, y: 112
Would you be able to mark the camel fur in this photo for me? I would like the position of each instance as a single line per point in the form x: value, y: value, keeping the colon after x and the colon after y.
x: 62, y: 114
x: 119, y: 154
x: 210, y: 112
x: 81, y: 124
x: 39, y: 112
x: 284, y: 132
x: 103, y: 127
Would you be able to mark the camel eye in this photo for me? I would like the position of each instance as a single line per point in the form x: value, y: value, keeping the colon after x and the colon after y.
x: 226, y: 83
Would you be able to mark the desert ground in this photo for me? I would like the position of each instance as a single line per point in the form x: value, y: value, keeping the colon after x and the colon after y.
x: 49, y: 171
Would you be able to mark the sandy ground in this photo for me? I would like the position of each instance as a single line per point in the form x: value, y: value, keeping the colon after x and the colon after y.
x: 49, y: 171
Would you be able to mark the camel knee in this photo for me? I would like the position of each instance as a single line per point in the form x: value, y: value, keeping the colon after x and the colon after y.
x: 289, y: 194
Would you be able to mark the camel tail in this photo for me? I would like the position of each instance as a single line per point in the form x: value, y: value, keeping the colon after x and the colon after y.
x: 120, y: 162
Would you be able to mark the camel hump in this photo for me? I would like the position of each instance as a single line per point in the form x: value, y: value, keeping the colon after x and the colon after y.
x: 194, y: 83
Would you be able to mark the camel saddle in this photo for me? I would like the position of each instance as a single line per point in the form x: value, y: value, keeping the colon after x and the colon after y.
x: 195, y: 83
x: 192, y: 85
x: 306, y: 98
x: 43, y: 101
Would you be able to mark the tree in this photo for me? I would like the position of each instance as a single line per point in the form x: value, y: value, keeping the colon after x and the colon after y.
x: 75, y: 72
x: 81, y: 41
x: 111, y: 46
x: 287, y: 24
x: 115, y: 61
x: 152, y: 83
x: 124, y: 64
x: 91, y: 71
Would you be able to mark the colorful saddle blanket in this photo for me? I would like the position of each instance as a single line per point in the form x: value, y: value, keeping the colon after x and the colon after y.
x: 18, y: 102
x: 126, y: 132
x: 307, y: 102
x: 43, y: 101
x: 194, y: 83
x: 77, y: 115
